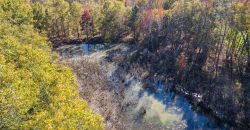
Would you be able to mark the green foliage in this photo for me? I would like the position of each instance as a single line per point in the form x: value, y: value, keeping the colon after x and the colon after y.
x: 16, y: 11
x: 167, y: 5
x: 40, y: 16
x: 134, y: 20
x: 134, y: 16
x: 242, y: 17
x: 75, y: 17
x: 58, y: 12
x: 109, y: 22
x: 97, y: 16
x: 112, y: 11
x: 189, y: 13
x: 35, y: 92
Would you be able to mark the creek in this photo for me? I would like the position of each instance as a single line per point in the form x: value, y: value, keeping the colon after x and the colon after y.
x: 147, y: 109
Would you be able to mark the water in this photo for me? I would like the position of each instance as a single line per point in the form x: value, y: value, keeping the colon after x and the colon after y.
x: 146, y: 110
x: 162, y: 109
x: 81, y: 49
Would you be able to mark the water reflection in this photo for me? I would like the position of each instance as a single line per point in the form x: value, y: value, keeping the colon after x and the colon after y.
x: 147, y: 110
x: 163, y: 109
x: 77, y: 50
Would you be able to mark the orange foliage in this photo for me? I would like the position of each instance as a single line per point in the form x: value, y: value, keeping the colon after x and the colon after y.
x: 160, y: 11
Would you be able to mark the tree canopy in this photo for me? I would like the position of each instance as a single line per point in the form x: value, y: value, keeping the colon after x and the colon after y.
x: 35, y: 92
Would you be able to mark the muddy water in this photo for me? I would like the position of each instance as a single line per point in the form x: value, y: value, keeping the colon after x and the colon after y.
x: 163, y: 109
x: 151, y: 110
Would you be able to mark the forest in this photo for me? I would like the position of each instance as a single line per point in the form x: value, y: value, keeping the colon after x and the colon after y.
x: 139, y: 52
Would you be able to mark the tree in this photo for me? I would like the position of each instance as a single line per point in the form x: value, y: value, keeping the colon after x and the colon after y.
x: 58, y: 12
x: 40, y: 16
x: 36, y: 92
x: 75, y: 17
x: 133, y: 21
x: 86, y: 22
x: 95, y: 10
x: 113, y: 21
x: 167, y: 4
x: 16, y: 11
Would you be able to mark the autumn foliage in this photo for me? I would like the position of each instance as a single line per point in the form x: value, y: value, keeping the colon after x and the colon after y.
x: 86, y: 16
x: 35, y: 92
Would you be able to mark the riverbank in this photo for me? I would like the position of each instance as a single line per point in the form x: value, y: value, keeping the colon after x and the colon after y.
x: 217, y: 98
x: 116, y: 75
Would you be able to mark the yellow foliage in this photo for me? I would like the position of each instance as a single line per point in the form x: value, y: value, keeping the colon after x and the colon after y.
x: 35, y: 93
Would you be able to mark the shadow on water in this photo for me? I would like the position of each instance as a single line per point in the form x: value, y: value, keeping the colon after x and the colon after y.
x: 164, y: 108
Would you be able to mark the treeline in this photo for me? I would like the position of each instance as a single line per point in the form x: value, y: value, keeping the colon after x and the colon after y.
x: 203, y: 45
x: 205, y: 42
x: 80, y: 19
x: 36, y: 92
